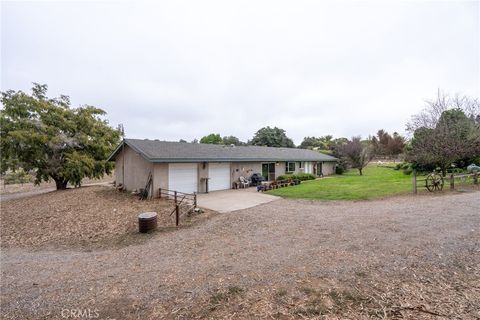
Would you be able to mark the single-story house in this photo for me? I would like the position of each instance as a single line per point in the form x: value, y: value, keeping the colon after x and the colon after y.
x: 185, y: 167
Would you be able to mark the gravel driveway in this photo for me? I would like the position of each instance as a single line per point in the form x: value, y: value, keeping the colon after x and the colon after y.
x: 406, y: 257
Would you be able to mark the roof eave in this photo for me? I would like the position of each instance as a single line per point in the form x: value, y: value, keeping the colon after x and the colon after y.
x: 233, y: 160
x: 114, y: 154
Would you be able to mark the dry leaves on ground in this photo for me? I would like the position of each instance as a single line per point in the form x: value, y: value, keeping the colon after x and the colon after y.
x: 97, y: 215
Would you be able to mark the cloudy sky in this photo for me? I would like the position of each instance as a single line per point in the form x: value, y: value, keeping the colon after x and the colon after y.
x: 183, y: 69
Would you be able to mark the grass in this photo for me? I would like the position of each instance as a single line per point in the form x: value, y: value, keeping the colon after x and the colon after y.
x: 376, y: 182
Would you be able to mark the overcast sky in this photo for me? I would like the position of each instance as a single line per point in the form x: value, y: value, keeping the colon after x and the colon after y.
x: 183, y: 69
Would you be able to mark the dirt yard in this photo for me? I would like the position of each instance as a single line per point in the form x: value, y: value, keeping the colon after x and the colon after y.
x: 87, y: 217
x: 398, y: 258
x: 32, y: 189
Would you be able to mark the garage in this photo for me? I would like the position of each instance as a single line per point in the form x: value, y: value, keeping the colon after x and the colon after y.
x: 183, y: 177
x: 219, y: 174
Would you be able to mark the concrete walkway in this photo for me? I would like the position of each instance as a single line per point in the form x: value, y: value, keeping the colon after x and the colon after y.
x: 231, y: 200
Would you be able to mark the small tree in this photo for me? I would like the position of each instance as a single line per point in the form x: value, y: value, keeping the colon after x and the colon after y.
x: 271, y: 137
x: 454, y: 138
x: 212, y: 138
x: 383, y: 144
x: 447, y: 131
x: 357, y: 153
x: 336, y: 148
x: 395, y: 145
x: 53, y: 139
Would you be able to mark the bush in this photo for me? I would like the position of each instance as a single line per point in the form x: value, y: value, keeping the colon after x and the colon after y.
x: 19, y: 176
x: 341, y: 167
x: 305, y: 176
x: 300, y: 176
x: 405, y: 167
x: 286, y: 177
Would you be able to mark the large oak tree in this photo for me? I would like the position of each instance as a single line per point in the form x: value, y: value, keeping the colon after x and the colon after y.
x: 56, y: 141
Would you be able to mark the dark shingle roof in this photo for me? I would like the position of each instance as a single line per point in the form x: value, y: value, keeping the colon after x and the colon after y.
x: 166, y: 151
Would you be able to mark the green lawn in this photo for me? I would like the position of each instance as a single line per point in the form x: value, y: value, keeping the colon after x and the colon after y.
x: 376, y: 182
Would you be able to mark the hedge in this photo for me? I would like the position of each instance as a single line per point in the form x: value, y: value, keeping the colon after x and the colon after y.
x: 300, y: 176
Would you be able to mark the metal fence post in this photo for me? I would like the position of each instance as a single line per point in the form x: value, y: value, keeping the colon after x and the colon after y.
x: 177, y: 215
x: 160, y: 192
x: 175, y: 196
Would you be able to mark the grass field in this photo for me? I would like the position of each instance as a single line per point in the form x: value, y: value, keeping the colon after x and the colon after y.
x: 376, y: 182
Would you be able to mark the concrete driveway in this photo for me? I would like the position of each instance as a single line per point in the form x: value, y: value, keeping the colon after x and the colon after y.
x: 231, y: 200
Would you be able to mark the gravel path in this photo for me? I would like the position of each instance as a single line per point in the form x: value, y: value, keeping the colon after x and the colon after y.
x: 406, y: 257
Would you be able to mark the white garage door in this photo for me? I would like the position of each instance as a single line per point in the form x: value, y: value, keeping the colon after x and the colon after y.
x: 183, y: 177
x: 219, y: 174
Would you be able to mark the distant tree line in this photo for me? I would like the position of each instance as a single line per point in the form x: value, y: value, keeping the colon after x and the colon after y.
x: 267, y: 136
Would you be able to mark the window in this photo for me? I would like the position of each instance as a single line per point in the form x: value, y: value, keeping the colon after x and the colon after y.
x: 290, y: 167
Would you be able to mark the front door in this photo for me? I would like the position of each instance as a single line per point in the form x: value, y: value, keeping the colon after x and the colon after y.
x: 319, y: 169
x: 268, y: 171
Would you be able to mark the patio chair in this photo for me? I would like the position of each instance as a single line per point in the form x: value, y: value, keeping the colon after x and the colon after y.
x: 244, y: 182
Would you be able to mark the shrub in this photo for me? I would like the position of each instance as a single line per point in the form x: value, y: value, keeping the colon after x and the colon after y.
x: 408, y: 171
x: 300, y: 176
x: 19, y: 176
x: 341, y: 167
x: 286, y: 177
x: 305, y: 176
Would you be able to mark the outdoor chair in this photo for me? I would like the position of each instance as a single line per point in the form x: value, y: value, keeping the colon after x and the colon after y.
x: 244, y: 182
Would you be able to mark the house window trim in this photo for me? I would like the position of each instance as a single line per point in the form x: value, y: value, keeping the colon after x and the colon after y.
x: 287, y: 166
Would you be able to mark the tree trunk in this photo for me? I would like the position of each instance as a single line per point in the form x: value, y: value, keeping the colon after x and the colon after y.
x: 61, y: 184
x: 360, y: 170
x: 444, y: 171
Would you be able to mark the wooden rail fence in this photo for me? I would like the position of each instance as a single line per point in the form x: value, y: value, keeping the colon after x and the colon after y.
x: 450, y: 179
x: 184, y: 202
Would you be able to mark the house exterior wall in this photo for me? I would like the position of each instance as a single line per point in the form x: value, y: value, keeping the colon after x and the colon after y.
x: 136, y: 169
x: 202, y: 173
x: 328, y: 168
x: 245, y: 169
x: 160, y: 177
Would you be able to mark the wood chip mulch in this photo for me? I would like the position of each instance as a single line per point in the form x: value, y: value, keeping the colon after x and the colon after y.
x: 95, y: 216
